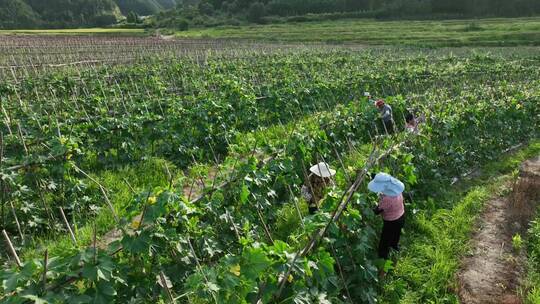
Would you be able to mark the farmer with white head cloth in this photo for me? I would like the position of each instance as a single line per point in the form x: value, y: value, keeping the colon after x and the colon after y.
x: 391, y: 208
x: 369, y: 97
x: 313, y: 190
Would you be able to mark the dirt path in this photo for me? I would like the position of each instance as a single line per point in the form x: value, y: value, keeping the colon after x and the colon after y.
x: 491, y: 274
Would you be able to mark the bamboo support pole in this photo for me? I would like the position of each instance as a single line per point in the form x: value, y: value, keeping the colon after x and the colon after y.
x: 341, y: 274
x: 266, y: 230
x: 73, y: 239
x: 297, y: 207
x: 45, y: 267
x: 144, y: 211
x: 21, y: 136
x: 16, y: 221
x: 199, y: 266
x: 102, y: 189
x: 1, y: 149
x: 11, y: 248
x: 165, y: 286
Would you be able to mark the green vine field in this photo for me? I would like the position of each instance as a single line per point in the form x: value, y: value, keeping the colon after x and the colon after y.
x: 180, y: 175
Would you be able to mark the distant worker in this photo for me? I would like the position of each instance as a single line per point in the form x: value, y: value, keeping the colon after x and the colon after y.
x: 386, y: 115
x: 369, y: 97
x: 392, y: 209
x: 412, y: 123
x: 313, y: 190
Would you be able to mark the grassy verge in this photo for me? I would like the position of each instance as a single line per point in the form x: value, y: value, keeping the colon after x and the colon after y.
x: 435, y: 241
x: 531, y: 286
x: 483, y: 32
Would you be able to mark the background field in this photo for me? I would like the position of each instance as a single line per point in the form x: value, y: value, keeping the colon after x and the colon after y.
x: 481, y: 32
x: 468, y: 32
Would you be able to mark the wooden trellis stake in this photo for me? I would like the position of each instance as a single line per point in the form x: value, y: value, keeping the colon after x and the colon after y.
x: 165, y: 286
x: 68, y: 226
x: 11, y: 248
x: 45, y: 262
x: 16, y: 220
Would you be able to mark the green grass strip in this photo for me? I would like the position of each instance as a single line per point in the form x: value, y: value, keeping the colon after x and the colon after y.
x: 531, y: 286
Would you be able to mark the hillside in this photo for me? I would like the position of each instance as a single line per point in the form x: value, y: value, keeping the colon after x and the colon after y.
x: 144, y: 7
x: 210, y: 13
x: 15, y: 13
x: 73, y: 13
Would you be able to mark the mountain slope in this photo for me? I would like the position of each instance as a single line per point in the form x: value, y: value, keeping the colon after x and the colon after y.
x: 73, y: 13
x: 17, y: 13
x: 68, y: 13
x: 167, y: 3
x: 144, y: 7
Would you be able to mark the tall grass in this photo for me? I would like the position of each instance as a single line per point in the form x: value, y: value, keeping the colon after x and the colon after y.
x: 531, y: 287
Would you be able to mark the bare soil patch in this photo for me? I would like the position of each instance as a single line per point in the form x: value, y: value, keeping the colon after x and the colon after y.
x: 492, y: 272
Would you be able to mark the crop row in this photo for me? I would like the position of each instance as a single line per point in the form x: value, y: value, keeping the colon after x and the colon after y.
x: 115, y: 116
x: 288, y: 108
x: 237, y: 260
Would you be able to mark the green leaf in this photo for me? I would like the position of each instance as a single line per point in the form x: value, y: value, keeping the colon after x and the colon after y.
x: 10, y: 284
x: 244, y: 194
x: 100, y: 299
x: 36, y: 299
x: 101, y: 275
x: 106, y: 288
x: 28, y: 269
x: 79, y: 299
x: 136, y: 244
x: 114, y: 247
x: 280, y: 247
x: 255, y: 262
x: 89, y: 272
x: 388, y: 265
x: 154, y: 212
x: 212, y: 287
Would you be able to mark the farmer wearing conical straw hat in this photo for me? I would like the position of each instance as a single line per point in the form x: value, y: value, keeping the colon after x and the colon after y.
x: 391, y: 208
x: 313, y: 190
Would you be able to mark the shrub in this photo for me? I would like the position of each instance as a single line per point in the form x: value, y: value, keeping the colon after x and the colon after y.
x: 132, y: 17
x: 181, y: 24
x: 104, y: 20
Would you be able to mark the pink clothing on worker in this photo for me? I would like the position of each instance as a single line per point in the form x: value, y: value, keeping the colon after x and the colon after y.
x: 392, y: 207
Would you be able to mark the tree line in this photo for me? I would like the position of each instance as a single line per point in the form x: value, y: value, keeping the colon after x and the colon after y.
x: 57, y: 13
x: 201, y: 13
x: 219, y: 12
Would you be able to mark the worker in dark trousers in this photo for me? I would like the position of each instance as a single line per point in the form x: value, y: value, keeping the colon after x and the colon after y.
x: 392, y: 209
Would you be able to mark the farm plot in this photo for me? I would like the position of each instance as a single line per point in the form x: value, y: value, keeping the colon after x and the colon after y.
x: 22, y: 56
x: 197, y: 166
